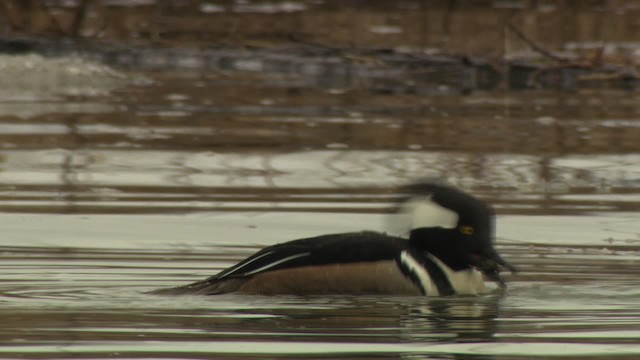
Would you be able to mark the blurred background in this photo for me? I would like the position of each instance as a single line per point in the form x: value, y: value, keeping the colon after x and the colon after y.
x: 148, y: 144
x: 181, y: 106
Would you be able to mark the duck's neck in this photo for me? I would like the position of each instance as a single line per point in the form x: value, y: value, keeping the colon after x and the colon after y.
x: 445, y: 244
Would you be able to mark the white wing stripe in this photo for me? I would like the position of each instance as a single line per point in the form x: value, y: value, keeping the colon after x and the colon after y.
x: 242, y: 265
x: 277, y: 263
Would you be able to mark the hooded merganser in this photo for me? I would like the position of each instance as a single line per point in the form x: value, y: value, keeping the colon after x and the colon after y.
x: 449, y: 249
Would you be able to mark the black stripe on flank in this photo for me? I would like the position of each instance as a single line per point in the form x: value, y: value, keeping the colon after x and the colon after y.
x: 437, y: 275
x: 411, y: 275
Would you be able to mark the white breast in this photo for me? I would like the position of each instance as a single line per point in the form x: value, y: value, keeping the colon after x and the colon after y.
x: 464, y: 282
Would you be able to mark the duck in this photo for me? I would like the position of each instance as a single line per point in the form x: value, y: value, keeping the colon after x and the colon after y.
x: 449, y: 250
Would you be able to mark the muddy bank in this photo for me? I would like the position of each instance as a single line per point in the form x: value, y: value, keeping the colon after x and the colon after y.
x: 399, y: 46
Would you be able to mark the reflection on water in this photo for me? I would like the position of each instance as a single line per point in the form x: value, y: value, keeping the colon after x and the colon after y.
x: 211, y: 141
x: 317, y: 180
x: 255, y: 161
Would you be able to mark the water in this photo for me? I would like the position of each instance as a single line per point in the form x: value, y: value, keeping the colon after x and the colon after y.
x: 156, y: 179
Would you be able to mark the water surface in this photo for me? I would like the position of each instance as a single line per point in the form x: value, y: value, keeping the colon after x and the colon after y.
x: 155, y: 179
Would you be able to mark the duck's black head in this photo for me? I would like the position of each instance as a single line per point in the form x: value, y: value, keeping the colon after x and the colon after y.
x: 455, y: 227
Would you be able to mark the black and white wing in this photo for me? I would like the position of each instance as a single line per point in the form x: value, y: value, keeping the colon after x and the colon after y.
x: 327, y: 249
x: 320, y: 250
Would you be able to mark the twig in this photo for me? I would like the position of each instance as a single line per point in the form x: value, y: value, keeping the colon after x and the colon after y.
x: 54, y: 21
x: 14, y: 15
x: 533, y: 45
x: 79, y: 18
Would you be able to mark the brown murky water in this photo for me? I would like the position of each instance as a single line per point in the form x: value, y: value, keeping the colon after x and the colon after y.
x: 116, y: 183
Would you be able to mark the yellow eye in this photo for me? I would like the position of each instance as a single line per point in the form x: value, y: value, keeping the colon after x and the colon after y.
x: 467, y: 230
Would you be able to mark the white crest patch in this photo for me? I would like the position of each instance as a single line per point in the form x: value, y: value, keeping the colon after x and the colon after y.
x: 424, y: 212
x: 278, y: 262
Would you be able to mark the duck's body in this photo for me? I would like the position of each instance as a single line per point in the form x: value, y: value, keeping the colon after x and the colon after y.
x: 351, y: 263
x: 448, y: 251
